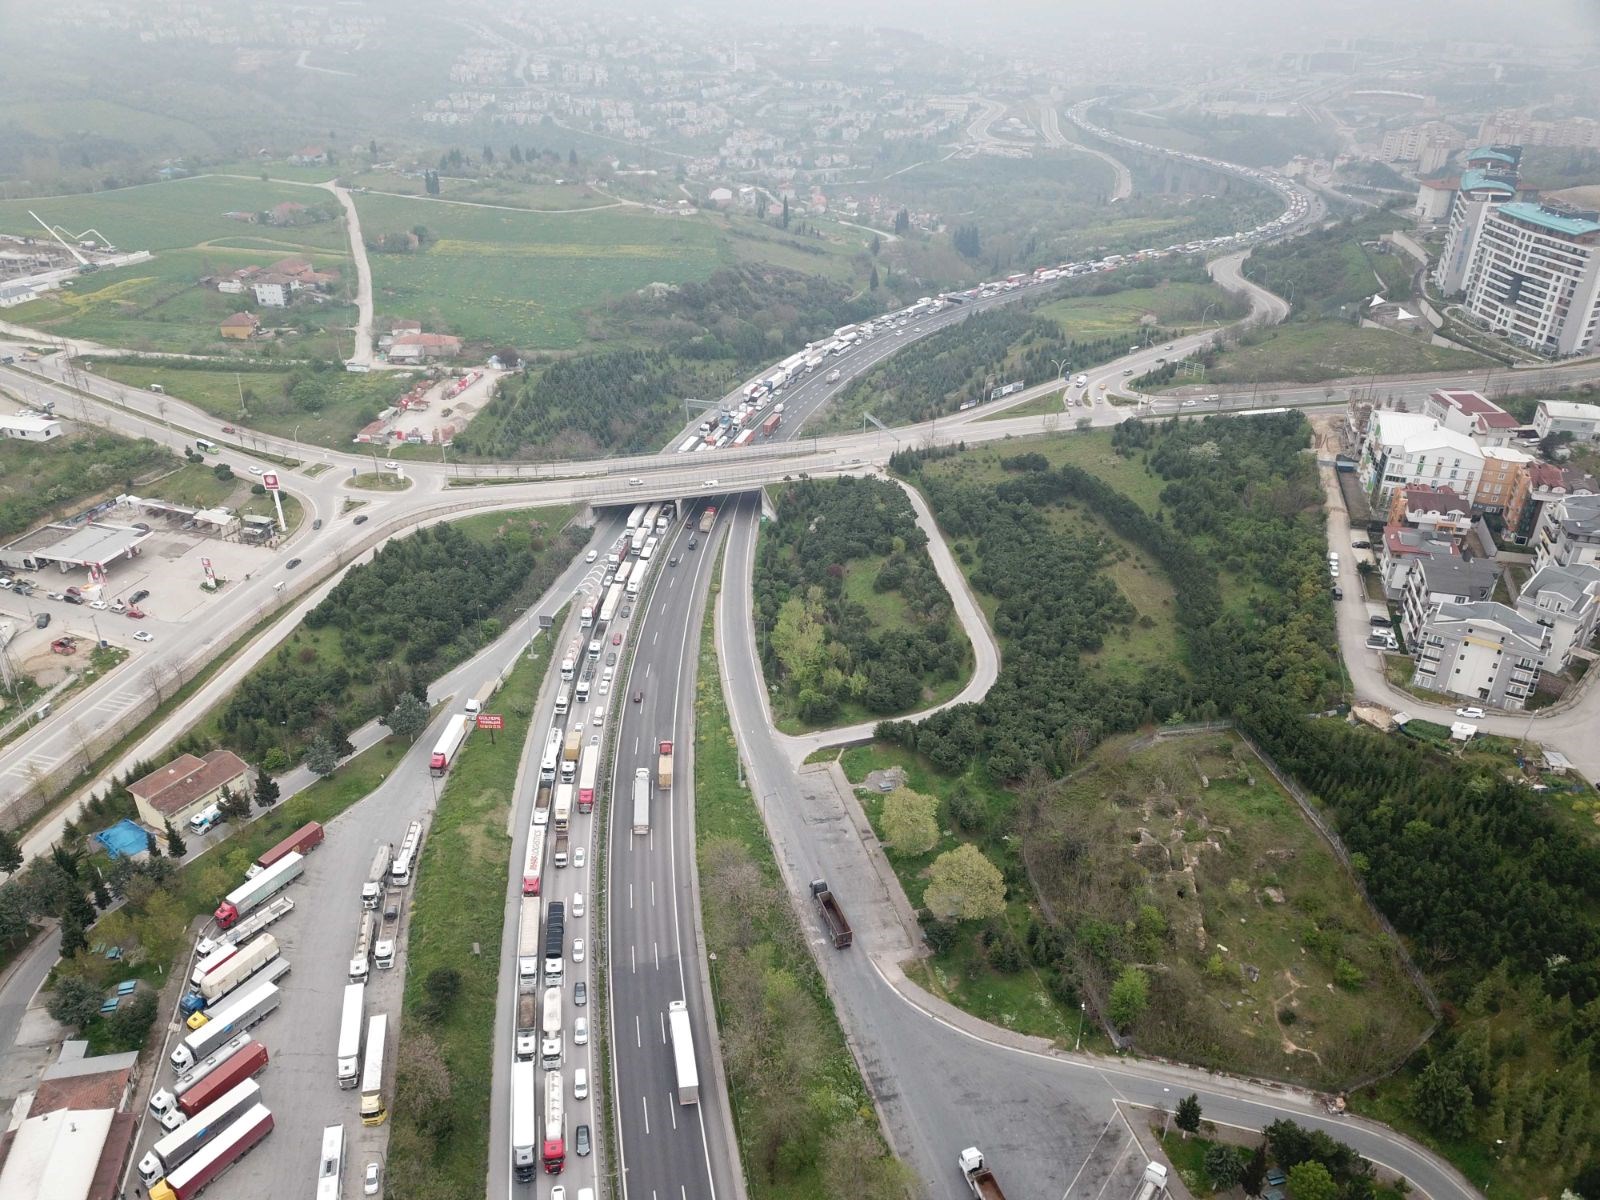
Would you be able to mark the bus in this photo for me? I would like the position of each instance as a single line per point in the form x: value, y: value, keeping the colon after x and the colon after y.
x: 330, y: 1167
x: 561, y: 817
x: 350, y: 1033
x: 535, y: 862
x: 641, y: 800
x: 524, y: 1120
x: 555, y: 1125
x: 400, y: 869
x: 204, y: 446
x: 587, y: 773
x: 373, y: 1111
x: 613, y: 600
x: 683, y: 1052
x: 552, y: 752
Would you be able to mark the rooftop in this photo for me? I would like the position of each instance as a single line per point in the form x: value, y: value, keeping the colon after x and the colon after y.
x: 1492, y: 153
x: 1474, y: 180
x: 56, y: 1156
x: 1493, y: 614
x: 80, y: 544
x: 1472, y: 578
x: 1435, y: 499
x: 1413, y: 432
x: 186, y: 778
x: 1569, y: 410
x: 1563, y: 223
x: 28, y: 423
x: 1573, y: 583
x: 1403, y: 540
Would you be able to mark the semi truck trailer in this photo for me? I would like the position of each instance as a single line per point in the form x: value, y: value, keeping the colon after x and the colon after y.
x: 253, y: 893
x: 164, y: 1100
x: 348, y: 1060
x: 527, y: 1025
x: 226, y: 970
x: 236, y: 1014
x: 372, y: 889
x: 184, y: 1142
x: 267, y: 914
x: 444, y: 750
x: 664, y: 765
x: 189, y: 1180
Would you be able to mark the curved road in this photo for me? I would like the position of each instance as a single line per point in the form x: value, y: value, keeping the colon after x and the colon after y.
x: 1050, y: 124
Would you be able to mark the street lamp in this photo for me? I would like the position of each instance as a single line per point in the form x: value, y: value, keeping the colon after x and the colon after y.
x: 1082, y: 1009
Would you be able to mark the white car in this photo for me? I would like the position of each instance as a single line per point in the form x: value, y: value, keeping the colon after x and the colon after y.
x: 369, y: 1182
x: 577, y: 904
x: 255, y: 470
x: 708, y: 483
x: 591, y: 556
x: 635, y: 482
x: 599, y: 718
x: 580, y: 1032
x: 577, y: 950
x: 580, y: 1084
x: 558, y: 1193
x: 142, y: 636
x: 1190, y: 403
x: 99, y: 604
x: 1470, y: 711
x: 577, y: 857
x: 391, y: 465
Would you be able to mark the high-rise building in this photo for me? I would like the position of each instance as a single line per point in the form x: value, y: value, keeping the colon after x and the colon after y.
x: 1490, y: 179
x: 1534, y: 275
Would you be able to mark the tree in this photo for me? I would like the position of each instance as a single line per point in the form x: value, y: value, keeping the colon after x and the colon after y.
x: 1224, y: 1167
x: 875, y: 245
x: 1188, y: 1115
x: 422, y: 1083
x: 152, y: 847
x: 516, y: 153
x: 267, y: 790
x: 1130, y: 996
x: 1311, y: 1181
x: 10, y: 851
x: 321, y: 758
x: 872, y: 279
x: 68, y: 859
x: 902, y: 222
x: 73, y: 938
x: 408, y: 718
x: 99, y: 888
x: 488, y: 156
x: 964, y: 885
x: 785, y: 217
x: 572, y: 157
x: 176, y: 846
x: 1254, y: 1177
x: 910, y: 821
x: 339, y: 739
x: 233, y: 807
x: 74, y: 1001
x: 1441, y: 1101
x: 442, y: 986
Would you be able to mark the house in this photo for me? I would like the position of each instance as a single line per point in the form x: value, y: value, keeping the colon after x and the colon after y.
x: 402, y: 327
x: 1582, y: 421
x: 241, y: 326
x: 1403, y: 546
x: 721, y: 197
x: 1440, y: 510
x: 287, y: 213
x: 1503, y: 487
x: 274, y: 291
x: 25, y: 427
x: 72, y: 1140
x: 1566, y: 600
x: 1485, y: 652
x: 309, y: 156
x: 231, y: 286
x: 419, y: 347
x: 1568, y: 533
x: 1547, y: 483
x: 1471, y: 414
x: 1430, y: 582
x: 186, y: 785
x: 1402, y: 448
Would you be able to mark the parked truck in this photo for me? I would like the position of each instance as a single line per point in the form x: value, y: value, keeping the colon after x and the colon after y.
x: 267, y: 914
x: 226, y: 970
x: 236, y: 1014
x: 529, y: 934
x: 571, y: 749
x: 527, y: 1025
x: 351, y: 1011
x: 183, y: 1143
x: 444, y: 750
x: 372, y: 889
x: 664, y: 766
x: 978, y: 1176
x: 1154, y: 1182
x: 555, y: 942
x: 252, y: 893
x: 246, y: 1064
x: 361, y: 955
x: 167, y: 1104
x: 275, y: 970
x: 302, y: 841
x: 832, y: 915
x: 219, y: 1154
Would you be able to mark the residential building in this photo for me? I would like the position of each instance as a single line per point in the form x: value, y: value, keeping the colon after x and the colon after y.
x: 1566, y: 600
x: 1401, y: 547
x: 1568, y: 533
x: 1471, y: 413
x: 1547, y: 483
x: 241, y: 326
x: 1485, y: 183
x: 1484, y: 652
x: 419, y: 347
x: 1435, y: 197
x: 1582, y: 421
x: 1429, y: 145
x: 1518, y: 127
x: 71, y: 1140
x: 1405, y: 448
x: 26, y: 427
x: 273, y: 291
x: 1534, y: 275
x: 402, y: 327
x: 186, y: 785
x: 1442, y: 579
x: 1504, y: 482
x: 1441, y: 510
x: 309, y: 156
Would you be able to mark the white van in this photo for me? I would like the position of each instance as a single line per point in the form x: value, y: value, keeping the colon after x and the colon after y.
x: 567, y: 667
x: 471, y: 707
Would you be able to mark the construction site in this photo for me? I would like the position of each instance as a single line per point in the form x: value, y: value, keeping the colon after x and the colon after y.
x: 34, y: 264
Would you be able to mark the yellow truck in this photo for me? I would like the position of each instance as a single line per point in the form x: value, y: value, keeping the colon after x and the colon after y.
x: 664, y: 766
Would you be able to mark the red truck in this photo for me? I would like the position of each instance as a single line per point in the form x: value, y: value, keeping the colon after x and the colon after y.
x: 302, y: 841
x: 227, y: 1148
x: 770, y: 425
x: 246, y: 1064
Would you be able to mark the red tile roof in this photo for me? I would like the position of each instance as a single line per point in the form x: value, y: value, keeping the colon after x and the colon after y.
x: 241, y: 320
x: 1435, y: 499
x: 186, y: 778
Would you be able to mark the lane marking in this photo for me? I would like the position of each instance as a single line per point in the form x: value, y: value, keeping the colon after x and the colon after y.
x: 638, y: 1032
x: 644, y: 1103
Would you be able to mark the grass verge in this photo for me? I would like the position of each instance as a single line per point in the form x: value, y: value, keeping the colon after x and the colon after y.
x: 457, y: 920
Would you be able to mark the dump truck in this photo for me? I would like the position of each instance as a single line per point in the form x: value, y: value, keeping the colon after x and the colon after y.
x: 664, y: 766
x: 832, y: 915
x: 708, y: 518
x: 527, y: 1026
x: 978, y: 1176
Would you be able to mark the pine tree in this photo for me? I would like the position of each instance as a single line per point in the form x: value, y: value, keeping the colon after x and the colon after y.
x: 267, y: 790
x: 10, y: 851
x: 152, y: 847
x: 1188, y: 1114
x: 1254, y: 1178
x: 176, y: 846
x: 785, y: 212
x: 872, y: 280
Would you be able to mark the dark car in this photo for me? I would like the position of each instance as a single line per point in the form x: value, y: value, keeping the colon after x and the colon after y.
x: 72, y: 599
x: 1338, y: 593
x: 41, y: 620
x: 1383, y: 621
x: 611, y: 658
x: 138, y: 596
x: 583, y: 1142
x: 317, y: 524
x: 693, y: 543
x: 580, y: 994
x: 291, y: 564
x: 637, y: 697
x: 1361, y: 545
x: 673, y: 561
x: 361, y: 520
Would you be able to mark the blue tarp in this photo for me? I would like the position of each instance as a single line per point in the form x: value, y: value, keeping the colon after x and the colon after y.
x: 123, y: 839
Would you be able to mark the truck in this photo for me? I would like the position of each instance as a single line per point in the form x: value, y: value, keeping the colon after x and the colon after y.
x: 550, y: 1048
x: 770, y: 425
x: 275, y: 970
x: 361, y: 956
x: 558, y: 856
x: 184, y: 1142
x: 524, y: 1121
x: 832, y: 915
x: 219, y: 1154
x: 708, y: 518
x: 372, y: 889
x: 372, y: 1109
x: 978, y: 1176
x: 555, y: 1124
x: 571, y: 748
x: 683, y: 1052
x: 555, y: 941
x: 405, y: 859
x: 586, y: 614
x: 383, y: 953
x: 164, y: 1102
x: 561, y: 813
x: 641, y: 800
x: 302, y: 841
x: 252, y: 893
x: 349, y: 1055
x: 613, y: 600
x: 529, y: 932
x: 444, y: 750
x: 527, y: 1025
x: 1154, y: 1182
x: 541, y: 803
x: 588, y: 775
x: 236, y: 1014
x: 533, y: 866
x: 200, y: 1093
x: 225, y: 970
x: 664, y: 765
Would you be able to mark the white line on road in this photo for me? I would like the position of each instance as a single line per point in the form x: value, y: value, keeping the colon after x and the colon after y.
x: 652, y: 893
x: 672, y: 1111
x: 633, y: 960
x: 656, y: 947
x: 663, y: 1029
x: 645, y: 1104
x: 638, y: 1032
x: 630, y: 895
x: 655, y: 637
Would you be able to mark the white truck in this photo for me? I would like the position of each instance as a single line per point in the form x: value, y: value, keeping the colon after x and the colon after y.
x: 550, y: 1048
x: 530, y: 937
x: 165, y: 1100
x: 683, y: 1052
x: 248, y: 928
x: 527, y: 1025
x: 524, y: 1122
x: 350, y: 1015
x: 225, y: 970
x: 361, y: 956
x: 1154, y: 1183
x: 236, y: 1014
x: 372, y: 889
x: 253, y: 893
x: 177, y: 1147
x: 978, y: 1176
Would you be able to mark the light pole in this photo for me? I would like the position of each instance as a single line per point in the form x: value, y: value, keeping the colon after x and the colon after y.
x: 1082, y: 1008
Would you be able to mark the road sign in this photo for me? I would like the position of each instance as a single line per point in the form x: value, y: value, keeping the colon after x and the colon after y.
x: 270, y: 481
x: 491, y: 721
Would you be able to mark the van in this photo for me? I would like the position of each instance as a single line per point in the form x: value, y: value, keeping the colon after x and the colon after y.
x: 471, y: 706
x: 205, y: 819
x: 580, y: 1084
x: 158, y: 389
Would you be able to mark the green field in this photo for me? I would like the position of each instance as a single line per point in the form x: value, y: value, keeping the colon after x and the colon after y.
x: 1317, y: 351
x: 1173, y: 306
x: 59, y: 478
x: 108, y: 120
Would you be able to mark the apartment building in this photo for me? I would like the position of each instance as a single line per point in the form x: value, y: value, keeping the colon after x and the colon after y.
x: 1568, y: 533
x: 1546, y: 484
x: 1504, y: 484
x: 1566, y: 601
x: 1582, y: 421
x: 1441, y: 579
x: 1533, y: 275
x: 1472, y: 414
x: 1403, y: 546
x: 1440, y: 510
x: 1410, y: 448
x: 1489, y: 180
x: 1484, y: 652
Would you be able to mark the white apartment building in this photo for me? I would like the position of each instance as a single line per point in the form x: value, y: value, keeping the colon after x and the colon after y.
x: 1566, y: 601
x: 1534, y: 275
x: 1480, y: 191
x: 1568, y: 533
x: 1467, y: 412
x: 1406, y: 448
x: 1582, y: 421
x: 1483, y: 651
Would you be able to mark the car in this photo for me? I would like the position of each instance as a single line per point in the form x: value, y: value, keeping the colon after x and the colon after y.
x: 1190, y: 403
x: 580, y: 1032
x: 627, y: 611
x: 582, y: 1140
x: 369, y: 1181
x: 1127, y: 370
x: 144, y: 635
x: 1338, y: 593
x: 599, y: 718
x: 558, y: 1192
x: 709, y: 483
x: 580, y: 1084
x: 635, y: 481
x: 56, y: 595
x: 229, y: 429
x: 1169, y: 347
x: 1378, y: 621
x: 291, y: 564
x: 317, y: 524
x: 138, y: 596
x: 693, y: 542
x: 255, y: 470
x: 1361, y: 544
x: 577, y: 861
x: 41, y: 620
x: 71, y: 599
x: 577, y: 950
x: 673, y: 561
x: 591, y: 556
x: 1333, y: 556
x: 1470, y: 711
x: 391, y: 465
x: 134, y: 613
x: 611, y: 658
x: 616, y: 639
x: 98, y: 605
x: 1333, y: 570
x: 580, y: 994
x: 7, y: 584
x: 117, y: 605
x: 637, y: 696
x: 360, y: 520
